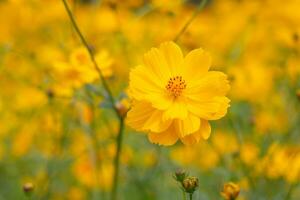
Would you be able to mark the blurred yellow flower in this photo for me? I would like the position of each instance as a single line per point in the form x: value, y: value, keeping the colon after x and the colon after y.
x: 24, y: 139
x: 175, y: 96
x: 76, y: 193
x: 225, y: 143
x: 281, y: 161
x: 88, y: 175
x: 250, y: 81
x: 249, y: 153
x: 187, y: 155
x: 79, y: 70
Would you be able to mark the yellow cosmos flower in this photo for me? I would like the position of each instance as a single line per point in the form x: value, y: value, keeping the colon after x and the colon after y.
x: 173, y: 96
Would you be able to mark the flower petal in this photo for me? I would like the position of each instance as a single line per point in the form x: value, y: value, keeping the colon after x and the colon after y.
x: 188, y: 125
x: 203, y: 132
x: 212, y: 109
x: 191, y: 139
x: 156, y: 62
x: 206, y: 98
x: 177, y: 110
x: 211, y: 84
x: 161, y: 101
x: 205, y: 129
x: 142, y: 81
x: 167, y: 137
x: 143, y: 117
x: 144, y: 85
x: 139, y: 114
x: 173, y: 57
x: 196, y: 64
x: 155, y: 122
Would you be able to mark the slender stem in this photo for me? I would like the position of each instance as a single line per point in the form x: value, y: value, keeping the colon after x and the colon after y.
x: 111, y: 99
x: 190, y: 20
x: 191, y: 196
x: 117, y: 161
x: 92, y: 57
x: 183, y: 195
x: 94, y: 149
x: 29, y: 197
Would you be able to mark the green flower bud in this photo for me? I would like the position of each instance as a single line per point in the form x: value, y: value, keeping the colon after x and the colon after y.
x: 180, y: 175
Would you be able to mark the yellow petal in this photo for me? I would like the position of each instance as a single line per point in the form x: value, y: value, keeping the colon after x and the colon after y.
x: 161, y: 101
x: 139, y: 114
x: 177, y: 110
x: 155, y: 122
x: 191, y: 139
x: 212, y: 109
x: 143, y: 117
x: 144, y: 85
x: 205, y: 129
x: 173, y: 56
x: 188, y: 125
x: 155, y: 61
x: 206, y: 97
x: 196, y: 64
x: 142, y: 81
x: 167, y: 137
x: 211, y: 84
x: 203, y: 132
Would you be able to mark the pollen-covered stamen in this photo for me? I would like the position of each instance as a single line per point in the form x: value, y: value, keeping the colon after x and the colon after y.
x: 175, y: 86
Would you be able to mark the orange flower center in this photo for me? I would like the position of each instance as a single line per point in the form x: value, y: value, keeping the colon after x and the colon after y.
x: 175, y: 86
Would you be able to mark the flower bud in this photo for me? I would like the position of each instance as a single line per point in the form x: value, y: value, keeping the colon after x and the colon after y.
x: 50, y: 93
x: 295, y: 37
x: 180, y: 175
x: 190, y: 184
x: 122, y: 107
x: 298, y: 94
x: 230, y: 191
x: 28, y: 188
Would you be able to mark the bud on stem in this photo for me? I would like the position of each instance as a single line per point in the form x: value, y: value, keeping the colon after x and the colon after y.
x: 298, y: 94
x: 189, y: 183
x: 230, y: 191
x: 28, y: 188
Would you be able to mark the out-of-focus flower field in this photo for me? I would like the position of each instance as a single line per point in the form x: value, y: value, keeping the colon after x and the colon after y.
x: 61, y: 121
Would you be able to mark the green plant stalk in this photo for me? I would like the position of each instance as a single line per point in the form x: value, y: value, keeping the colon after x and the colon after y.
x: 117, y: 161
x: 94, y: 149
x: 92, y: 57
x: 191, y: 196
x: 183, y: 195
x: 111, y: 99
x: 190, y: 20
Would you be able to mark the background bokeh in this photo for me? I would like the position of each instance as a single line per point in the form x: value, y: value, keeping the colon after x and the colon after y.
x: 57, y: 130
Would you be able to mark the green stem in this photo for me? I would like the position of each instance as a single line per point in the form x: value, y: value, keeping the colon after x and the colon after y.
x: 117, y: 161
x: 92, y: 57
x: 111, y: 99
x: 183, y: 195
x: 191, y: 196
x: 94, y: 149
x: 190, y: 20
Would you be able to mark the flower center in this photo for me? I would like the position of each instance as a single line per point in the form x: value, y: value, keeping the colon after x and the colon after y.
x: 175, y: 86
